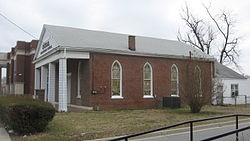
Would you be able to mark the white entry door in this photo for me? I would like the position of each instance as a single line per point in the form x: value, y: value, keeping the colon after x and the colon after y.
x: 69, y: 87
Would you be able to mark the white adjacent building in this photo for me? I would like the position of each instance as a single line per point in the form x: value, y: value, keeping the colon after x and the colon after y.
x: 231, y: 87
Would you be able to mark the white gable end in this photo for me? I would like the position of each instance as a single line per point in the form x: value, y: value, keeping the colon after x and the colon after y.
x: 46, y: 43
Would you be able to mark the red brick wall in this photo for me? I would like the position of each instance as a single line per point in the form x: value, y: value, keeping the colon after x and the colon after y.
x: 8, y: 74
x: 12, y: 76
x: 29, y: 75
x: 85, y: 82
x: 8, y: 71
x: 20, y: 45
x: 57, y: 83
x: 132, y: 79
x: 72, y: 68
x: 72, y: 65
x: 21, y: 68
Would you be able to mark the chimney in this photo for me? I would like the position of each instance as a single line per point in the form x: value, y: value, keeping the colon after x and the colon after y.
x: 131, y: 42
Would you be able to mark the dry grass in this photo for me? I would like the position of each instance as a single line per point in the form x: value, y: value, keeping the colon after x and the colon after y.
x: 99, y: 124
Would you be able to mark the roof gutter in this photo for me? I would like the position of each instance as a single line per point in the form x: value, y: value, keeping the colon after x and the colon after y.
x: 133, y: 53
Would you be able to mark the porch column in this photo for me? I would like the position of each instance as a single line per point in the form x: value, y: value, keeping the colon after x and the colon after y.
x: 1, y: 75
x: 62, y: 85
x: 44, y: 72
x: 37, y: 80
x: 51, y: 83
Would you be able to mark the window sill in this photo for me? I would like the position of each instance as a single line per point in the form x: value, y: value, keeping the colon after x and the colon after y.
x: 174, y: 95
x: 79, y: 97
x: 148, y: 96
x: 116, y: 97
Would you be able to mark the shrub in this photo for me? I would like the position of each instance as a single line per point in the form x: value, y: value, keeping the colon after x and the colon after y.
x: 197, y: 89
x: 25, y: 115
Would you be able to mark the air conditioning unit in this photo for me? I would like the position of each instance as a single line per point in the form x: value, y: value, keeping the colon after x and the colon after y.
x: 172, y: 102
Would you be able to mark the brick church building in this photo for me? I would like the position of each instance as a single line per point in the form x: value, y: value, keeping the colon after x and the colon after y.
x: 106, y: 70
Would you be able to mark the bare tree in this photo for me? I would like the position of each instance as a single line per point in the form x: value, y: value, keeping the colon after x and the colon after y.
x: 217, y: 91
x: 196, y: 91
x: 219, y: 35
x: 199, y: 34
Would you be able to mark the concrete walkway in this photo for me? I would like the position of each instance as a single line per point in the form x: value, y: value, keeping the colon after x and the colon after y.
x: 4, y: 136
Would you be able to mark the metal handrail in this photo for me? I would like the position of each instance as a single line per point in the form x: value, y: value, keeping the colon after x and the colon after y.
x: 190, y: 122
x: 227, y: 134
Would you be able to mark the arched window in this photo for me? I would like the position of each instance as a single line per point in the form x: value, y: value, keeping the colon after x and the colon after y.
x: 197, y: 79
x: 174, y: 80
x: 116, y: 80
x: 147, y: 81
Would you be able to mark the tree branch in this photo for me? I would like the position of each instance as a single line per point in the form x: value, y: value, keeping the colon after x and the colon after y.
x: 202, y: 35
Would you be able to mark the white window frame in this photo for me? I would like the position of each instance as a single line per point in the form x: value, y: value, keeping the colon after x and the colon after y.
x: 177, y: 87
x: 151, y: 81
x: 116, y: 96
x: 234, y: 90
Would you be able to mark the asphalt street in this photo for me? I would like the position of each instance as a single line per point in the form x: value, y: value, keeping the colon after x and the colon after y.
x: 203, y: 134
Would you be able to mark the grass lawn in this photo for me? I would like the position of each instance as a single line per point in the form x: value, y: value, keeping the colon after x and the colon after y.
x: 100, y: 124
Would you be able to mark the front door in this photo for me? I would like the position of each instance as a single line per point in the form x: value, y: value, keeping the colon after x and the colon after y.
x: 69, y: 87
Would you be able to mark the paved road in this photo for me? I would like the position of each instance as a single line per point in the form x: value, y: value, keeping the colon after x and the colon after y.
x: 203, y: 134
x: 4, y: 136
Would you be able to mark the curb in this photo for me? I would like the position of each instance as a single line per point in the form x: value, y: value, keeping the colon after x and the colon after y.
x: 4, y: 136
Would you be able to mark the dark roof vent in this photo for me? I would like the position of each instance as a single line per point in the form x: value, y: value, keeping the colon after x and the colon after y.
x: 131, y: 42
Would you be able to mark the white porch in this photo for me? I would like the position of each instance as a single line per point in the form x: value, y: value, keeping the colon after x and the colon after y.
x: 3, y: 62
x: 52, y: 76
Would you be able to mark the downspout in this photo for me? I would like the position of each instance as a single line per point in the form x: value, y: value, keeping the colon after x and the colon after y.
x: 92, y: 73
x: 64, y: 53
x: 78, y: 80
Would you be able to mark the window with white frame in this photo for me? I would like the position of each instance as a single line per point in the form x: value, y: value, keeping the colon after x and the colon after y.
x: 234, y: 90
x: 174, y: 81
x: 116, y: 80
x: 147, y: 81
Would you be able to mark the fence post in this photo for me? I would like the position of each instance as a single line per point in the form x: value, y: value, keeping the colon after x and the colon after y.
x: 191, y: 131
x: 237, y: 127
x: 235, y: 101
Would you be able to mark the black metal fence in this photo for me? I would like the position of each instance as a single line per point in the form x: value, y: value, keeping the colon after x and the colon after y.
x: 190, y: 123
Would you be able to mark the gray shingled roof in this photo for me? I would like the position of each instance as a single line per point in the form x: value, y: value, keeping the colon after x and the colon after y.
x: 225, y: 72
x: 114, y: 42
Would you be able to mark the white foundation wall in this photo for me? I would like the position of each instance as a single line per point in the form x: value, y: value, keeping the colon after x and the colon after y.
x: 19, y: 88
x: 11, y: 88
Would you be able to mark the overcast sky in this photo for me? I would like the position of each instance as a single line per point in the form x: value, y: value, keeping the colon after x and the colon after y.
x: 153, y: 18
